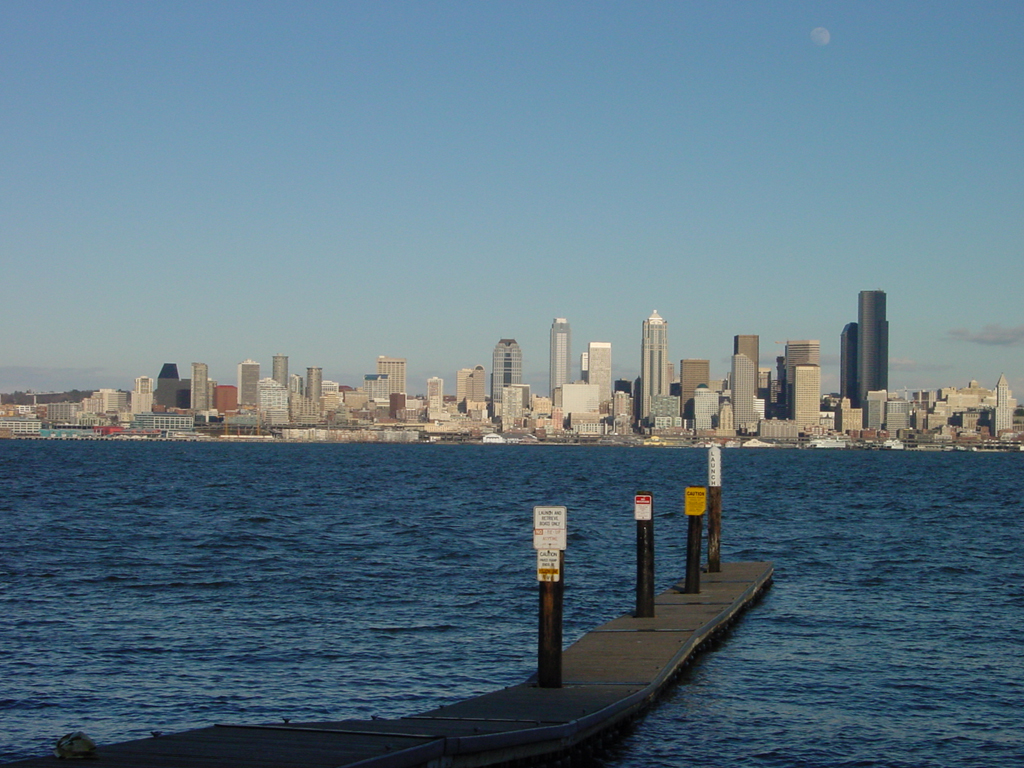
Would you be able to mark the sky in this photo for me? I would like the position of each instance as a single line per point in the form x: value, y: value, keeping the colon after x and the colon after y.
x: 334, y: 181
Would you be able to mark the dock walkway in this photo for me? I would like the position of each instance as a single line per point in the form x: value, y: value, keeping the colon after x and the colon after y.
x: 609, y: 676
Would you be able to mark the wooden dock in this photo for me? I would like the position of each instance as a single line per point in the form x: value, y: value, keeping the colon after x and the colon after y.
x: 610, y: 676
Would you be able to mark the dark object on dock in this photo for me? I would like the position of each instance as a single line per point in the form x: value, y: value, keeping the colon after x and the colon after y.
x: 609, y: 677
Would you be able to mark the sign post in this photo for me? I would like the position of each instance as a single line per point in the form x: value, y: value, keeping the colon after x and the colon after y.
x: 549, y: 539
x: 696, y: 504
x: 643, y: 512
x: 714, y: 509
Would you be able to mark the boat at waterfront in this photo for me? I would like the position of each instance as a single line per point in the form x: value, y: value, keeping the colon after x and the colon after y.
x: 829, y: 442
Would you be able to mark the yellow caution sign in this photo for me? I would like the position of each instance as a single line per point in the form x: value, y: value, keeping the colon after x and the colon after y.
x: 696, y: 500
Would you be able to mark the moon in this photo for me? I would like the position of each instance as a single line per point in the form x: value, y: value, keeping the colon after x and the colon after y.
x: 820, y: 36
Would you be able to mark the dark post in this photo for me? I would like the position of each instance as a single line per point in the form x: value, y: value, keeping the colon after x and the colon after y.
x: 714, y: 509
x: 643, y: 510
x: 696, y: 504
x: 549, y: 644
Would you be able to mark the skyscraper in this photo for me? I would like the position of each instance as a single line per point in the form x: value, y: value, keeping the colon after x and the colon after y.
x: 394, y: 367
x: 747, y: 345
x: 872, y: 343
x: 801, y: 352
x: 654, y: 375
x: 743, y: 383
x: 167, y: 386
x: 1005, y: 404
x: 599, y: 368
x: 561, y: 343
x: 314, y: 384
x: 435, y: 393
x: 692, y: 373
x: 142, y: 395
x: 280, y: 371
x: 248, y: 382
x: 506, y: 367
x: 200, y: 395
x: 848, y: 386
x: 806, y: 395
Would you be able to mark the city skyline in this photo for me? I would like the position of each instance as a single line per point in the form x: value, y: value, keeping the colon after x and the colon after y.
x: 462, y: 173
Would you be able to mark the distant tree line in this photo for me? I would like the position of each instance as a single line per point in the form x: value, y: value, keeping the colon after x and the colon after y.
x: 28, y: 398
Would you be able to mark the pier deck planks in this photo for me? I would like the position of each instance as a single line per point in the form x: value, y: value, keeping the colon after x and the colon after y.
x: 608, y: 675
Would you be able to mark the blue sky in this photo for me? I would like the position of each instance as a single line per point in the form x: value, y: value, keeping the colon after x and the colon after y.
x: 210, y: 182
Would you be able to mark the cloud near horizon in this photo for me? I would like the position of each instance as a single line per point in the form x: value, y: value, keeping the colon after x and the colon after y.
x: 993, y: 335
x: 906, y: 364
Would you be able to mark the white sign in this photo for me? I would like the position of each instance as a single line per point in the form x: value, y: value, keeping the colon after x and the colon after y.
x: 642, y: 506
x: 715, y: 466
x: 549, y: 528
x: 549, y: 565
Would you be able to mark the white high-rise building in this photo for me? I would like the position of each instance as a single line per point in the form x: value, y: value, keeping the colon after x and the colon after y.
x: 654, y: 362
x: 561, y: 343
x: 142, y: 395
x: 705, y: 407
x: 248, y: 382
x: 394, y: 367
x: 806, y: 395
x: 599, y: 368
x: 272, y: 401
x: 435, y: 393
x: 1005, y: 405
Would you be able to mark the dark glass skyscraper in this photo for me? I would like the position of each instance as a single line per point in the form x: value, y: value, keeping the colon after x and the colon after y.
x: 872, y: 343
x: 848, y: 386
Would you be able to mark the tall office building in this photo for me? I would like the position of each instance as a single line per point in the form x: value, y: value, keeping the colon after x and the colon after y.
x: 142, y: 395
x: 748, y: 345
x: 848, y: 386
x: 394, y: 367
x: 435, y: 393
x: 561, y: 344
x: 806, y: 395
x: 743, y: 383
x: 506, y: 367
x: 280, y: 371
x: 167, y: 386
x: 692, y: 373
x: 872, y: 343
x: 471, y: 385
x: 801, y: 352
x: 314, y: 384
x: 1005, y: 405
x: 599, y: 368
x: 200, y: 394
x: 248, y: 382
x: 654, y: 367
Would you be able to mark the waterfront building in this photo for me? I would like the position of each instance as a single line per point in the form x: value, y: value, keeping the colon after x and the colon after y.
x: 248, y: 382
x: 560, y: 354
x: 280, y: 370
x: 897, y: 415
x: 654, y: 365
x: 506, y: 367
x: 599, y: 368
x: 806, y: 395
x: 394, y: 368
x: 164, y: 422
x: 872, y: 343
x: 692, y: 373
x: 142, y: 395
x: 200, y: 393
x: 66, y: 412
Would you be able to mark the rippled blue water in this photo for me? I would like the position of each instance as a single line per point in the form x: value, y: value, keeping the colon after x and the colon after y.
x: 169, y: 586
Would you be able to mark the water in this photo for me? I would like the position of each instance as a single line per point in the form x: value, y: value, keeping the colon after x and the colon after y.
x: 170, y: 586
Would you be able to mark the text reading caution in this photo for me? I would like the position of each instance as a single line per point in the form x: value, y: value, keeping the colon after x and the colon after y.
x: 642, y: 506
x: 548, y: 562
x: 696, y: 500
x: 549, y: 528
